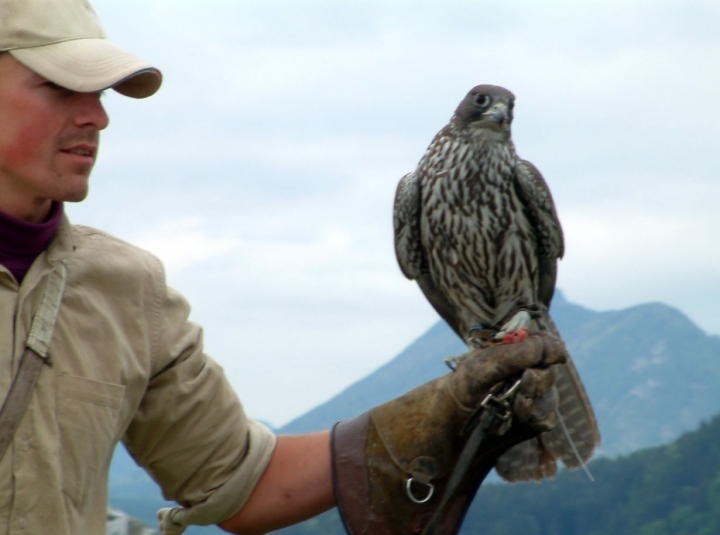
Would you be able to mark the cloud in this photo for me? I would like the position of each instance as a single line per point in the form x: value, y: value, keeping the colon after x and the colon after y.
x: 263, y: 172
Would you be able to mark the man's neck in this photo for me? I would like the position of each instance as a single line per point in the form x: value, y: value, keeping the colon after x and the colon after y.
x: 22, y: 241
x: 35, y: 211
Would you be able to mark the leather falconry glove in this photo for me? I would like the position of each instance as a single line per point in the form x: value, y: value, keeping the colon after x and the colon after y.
x: 413, y: 465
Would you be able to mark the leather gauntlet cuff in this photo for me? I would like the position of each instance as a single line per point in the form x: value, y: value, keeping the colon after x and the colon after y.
x: 375, y: 496
x: 348, y: 465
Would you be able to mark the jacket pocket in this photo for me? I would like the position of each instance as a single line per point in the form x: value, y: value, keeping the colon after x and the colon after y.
x: 88, y: 413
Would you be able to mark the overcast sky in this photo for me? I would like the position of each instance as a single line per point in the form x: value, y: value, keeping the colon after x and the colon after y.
x: 263, y: 172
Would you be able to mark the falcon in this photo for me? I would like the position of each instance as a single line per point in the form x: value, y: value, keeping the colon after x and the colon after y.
x: 476, y: 228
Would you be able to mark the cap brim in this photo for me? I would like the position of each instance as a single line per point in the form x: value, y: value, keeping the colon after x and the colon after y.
x: 88, y: 65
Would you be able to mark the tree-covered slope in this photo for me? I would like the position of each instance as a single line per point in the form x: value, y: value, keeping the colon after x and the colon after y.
x: 667, y: 490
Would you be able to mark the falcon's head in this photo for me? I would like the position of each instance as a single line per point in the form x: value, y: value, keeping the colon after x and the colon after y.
x: 488, y: 107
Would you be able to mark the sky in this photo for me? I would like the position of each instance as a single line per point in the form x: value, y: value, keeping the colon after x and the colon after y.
x: 263, y: 173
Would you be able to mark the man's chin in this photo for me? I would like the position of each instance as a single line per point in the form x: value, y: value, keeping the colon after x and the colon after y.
x: 77, y: 193
x: 75, y: 197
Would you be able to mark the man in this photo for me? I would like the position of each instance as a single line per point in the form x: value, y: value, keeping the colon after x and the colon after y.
x: 124, y: 362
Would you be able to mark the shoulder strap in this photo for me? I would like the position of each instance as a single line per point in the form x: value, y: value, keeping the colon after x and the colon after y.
x: 36, y: 353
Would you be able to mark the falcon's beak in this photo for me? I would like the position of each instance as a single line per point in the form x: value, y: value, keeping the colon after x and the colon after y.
x: 498, y: 113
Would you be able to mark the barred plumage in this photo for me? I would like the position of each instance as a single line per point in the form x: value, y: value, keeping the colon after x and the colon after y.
x: 476, y: 227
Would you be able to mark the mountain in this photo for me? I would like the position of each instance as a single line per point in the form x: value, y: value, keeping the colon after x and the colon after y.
x: 651, y: 374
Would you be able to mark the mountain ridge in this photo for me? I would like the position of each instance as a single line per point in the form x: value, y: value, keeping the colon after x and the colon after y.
x: 627, y: 359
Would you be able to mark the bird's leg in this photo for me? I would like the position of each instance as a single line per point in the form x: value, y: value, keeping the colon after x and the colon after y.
x: 516, y: 328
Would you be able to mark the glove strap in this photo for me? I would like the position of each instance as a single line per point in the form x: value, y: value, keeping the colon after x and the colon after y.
x: 463, y: 463
x: 493, y: 408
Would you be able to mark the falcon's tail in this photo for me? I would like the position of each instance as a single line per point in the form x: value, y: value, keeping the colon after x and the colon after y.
x: 536, y: 459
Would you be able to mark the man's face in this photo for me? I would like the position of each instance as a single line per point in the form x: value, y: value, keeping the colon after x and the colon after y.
x: 48, y: 141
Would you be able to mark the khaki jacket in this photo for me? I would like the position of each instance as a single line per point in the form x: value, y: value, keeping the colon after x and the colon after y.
x: 126, y: 364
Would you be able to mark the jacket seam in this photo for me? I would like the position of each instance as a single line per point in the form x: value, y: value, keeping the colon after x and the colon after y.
x: 158, y: 287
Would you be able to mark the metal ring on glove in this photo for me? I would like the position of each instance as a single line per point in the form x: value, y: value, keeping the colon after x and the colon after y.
x: 502, y: 402
x: 408, y: 490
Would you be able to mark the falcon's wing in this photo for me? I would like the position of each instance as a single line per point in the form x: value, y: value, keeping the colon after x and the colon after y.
x: 409, y: 251
x: 540, y: 209
x: 406, y: 220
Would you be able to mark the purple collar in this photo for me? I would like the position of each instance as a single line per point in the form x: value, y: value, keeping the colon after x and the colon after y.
x: 22, y: 242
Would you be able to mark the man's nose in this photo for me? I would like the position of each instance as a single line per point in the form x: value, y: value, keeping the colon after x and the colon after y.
x: 90, y: 111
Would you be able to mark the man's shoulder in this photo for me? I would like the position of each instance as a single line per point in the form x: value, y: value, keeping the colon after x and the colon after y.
x: 99, y: 248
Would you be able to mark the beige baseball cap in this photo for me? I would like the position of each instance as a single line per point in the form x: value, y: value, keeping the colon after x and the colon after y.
x: 63, y: 41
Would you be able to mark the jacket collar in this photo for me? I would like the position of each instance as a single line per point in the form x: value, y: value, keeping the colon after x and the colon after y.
x: 63, y: 244
x: 59, y: 250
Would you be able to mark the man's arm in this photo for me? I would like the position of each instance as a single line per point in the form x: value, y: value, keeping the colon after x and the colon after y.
x: 296, y: 485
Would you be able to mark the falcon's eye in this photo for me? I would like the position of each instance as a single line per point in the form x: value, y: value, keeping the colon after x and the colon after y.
x: 482, y: 100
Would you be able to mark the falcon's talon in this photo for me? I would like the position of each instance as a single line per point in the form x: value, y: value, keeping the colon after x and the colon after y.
x: 452, y: 361
x: 477, y: 343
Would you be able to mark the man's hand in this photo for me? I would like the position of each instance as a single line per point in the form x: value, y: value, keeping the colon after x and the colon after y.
x: 393, y: 464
